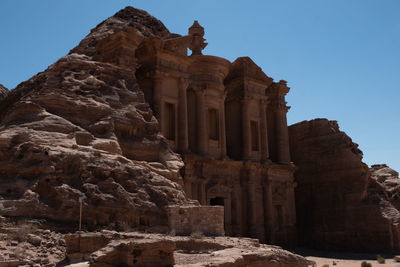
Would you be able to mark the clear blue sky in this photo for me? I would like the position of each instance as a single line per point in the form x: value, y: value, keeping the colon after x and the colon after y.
x: 340, y: 57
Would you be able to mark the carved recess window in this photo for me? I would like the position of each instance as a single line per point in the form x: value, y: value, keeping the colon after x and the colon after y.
x: 279, y: 217
x: 254, y: 136
x: 169, y: 119
x: 213, y: 125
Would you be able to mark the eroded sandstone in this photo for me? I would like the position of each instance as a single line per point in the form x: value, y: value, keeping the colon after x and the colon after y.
x: 138, y: 249
x: 61, y: 134
x: 339, y: 206
x: 3, y: 92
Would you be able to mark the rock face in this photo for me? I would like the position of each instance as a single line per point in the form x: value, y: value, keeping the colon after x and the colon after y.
x: 3, y: 92
x: 82, y: 129
x: 339, y: 206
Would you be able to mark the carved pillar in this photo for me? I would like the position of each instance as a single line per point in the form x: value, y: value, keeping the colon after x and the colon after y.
x: 244, y: 207
x: 236, y: 196
x: 157, y: 97
x: 268, y: 210
x: 201, y: 122
x: 194, y: 190
x: 188, y: 188
x: 222, y: 127
x: 291, y: 207
x: 252, y: 203
x: 203, y: 193
x: 264, y: 132
x: 282, y: 134
x: 228, y: 215
x: 183, y: 143
x: 246, y: 129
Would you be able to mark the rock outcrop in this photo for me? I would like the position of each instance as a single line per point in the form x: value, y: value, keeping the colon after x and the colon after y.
x: 82, y: 129
x: 3, y: 92
x: 339, y: 206
x: 388, y: 180
x: 138, y: 249
x: 24, y: 242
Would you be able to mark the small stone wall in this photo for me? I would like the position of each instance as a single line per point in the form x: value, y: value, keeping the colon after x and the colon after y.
x: 185, y: 220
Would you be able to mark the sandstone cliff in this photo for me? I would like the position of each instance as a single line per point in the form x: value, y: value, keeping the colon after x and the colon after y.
x: 3, y: 92
x: 82, y: 129
x: 339, y: 206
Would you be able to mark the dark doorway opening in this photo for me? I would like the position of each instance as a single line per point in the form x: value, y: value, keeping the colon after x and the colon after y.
x: 217, y: 201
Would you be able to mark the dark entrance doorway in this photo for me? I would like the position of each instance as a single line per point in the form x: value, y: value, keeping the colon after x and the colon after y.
x: 217, y: 201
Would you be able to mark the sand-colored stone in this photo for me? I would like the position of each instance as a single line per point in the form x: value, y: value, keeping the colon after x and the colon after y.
x: 139, y: 249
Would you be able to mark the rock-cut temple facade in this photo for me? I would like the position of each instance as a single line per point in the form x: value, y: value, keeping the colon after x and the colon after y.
x: 228, y: 122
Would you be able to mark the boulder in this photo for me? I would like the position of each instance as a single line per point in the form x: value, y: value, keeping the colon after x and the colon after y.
x: 135, y: 252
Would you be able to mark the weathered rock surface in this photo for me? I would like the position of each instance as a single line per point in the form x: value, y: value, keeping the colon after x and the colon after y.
x: 24, y: 242
x: 144, y: 252
x: 339, y: 206
x: 138, y: 249
x: 129, y: 17
x: 82, y: 129
x: 388, y: 180
x: 3, y: 92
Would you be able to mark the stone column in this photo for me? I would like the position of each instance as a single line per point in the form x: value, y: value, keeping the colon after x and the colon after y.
x: 246, y: 129
x: 200, y: 192
x: 264, y: 132
x: 291, y: 207
x: 259, y: 210
x: 157, y: 97
x: 188, y: 188
x: 201, y: 122
x: 244, y: 226
x: 268, y: 210
x: 252, y: 212
x: 195, y: 190
x: 222, y: 127
x: 282, y: 134
x: 183, y: 141
x: 203, y: 193
x: 237, y: 211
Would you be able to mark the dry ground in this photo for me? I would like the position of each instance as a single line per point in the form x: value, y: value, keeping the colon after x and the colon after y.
x: 345, y: 259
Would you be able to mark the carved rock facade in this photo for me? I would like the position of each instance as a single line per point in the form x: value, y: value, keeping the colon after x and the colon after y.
x: 85, y: 128
x: 227, y: 120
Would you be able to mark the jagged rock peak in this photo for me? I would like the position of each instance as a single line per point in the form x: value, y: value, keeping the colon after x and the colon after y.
x: 382, y: 172
x: 131, y: 17
x: 3, y: 91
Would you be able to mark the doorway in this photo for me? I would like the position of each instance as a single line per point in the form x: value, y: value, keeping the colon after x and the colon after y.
x: 217, y: 201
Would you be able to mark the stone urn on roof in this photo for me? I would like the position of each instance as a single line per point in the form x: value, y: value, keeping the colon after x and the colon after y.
x: 197, y: 44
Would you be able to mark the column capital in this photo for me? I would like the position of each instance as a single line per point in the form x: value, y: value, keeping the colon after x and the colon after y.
x: 200, y: 89
x: 156, y: 75
x: 278, y: 106
x: 265, y: 102
x: 183, y: 82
